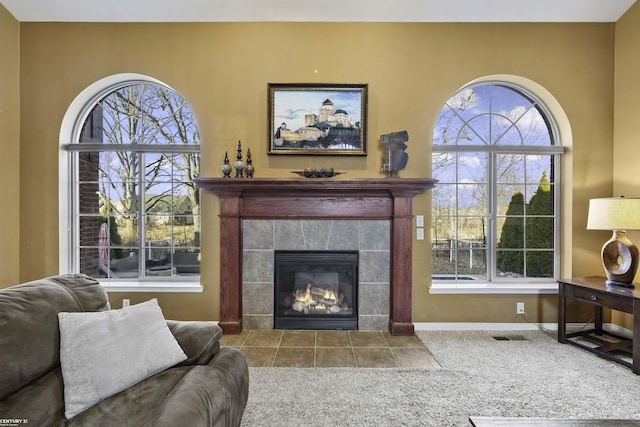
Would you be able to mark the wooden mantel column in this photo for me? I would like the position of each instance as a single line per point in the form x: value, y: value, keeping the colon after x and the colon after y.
x: 400, y: 322
x: 230, y: 264
x: 316, y: 198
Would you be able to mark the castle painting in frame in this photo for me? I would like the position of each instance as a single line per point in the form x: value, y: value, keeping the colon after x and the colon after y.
x: 325, y: 119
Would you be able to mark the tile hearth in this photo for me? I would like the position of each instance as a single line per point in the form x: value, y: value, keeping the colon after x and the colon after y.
x: 324, y: 349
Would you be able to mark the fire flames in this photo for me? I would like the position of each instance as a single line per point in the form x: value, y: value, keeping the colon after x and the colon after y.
x: 316, y: 300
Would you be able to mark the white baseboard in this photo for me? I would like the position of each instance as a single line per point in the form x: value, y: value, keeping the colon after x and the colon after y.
x: 471, y: 326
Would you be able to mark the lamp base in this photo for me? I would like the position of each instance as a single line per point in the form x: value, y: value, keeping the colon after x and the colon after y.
x: 620, y: 260
x: 617, y: 284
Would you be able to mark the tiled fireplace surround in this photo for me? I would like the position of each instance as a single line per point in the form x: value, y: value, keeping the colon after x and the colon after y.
x: 258, y: 216
x: 260, y: 238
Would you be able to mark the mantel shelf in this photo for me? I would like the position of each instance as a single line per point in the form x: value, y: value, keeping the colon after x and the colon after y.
x: 264, y: 187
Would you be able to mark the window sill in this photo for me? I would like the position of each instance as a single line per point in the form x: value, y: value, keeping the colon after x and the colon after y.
x: 493, y: 288
x: 151, y: 286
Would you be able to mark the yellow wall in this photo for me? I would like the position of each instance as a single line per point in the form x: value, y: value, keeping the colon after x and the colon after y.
x: 9, y: 149
x: 627, y: 118
x: 222, y: 69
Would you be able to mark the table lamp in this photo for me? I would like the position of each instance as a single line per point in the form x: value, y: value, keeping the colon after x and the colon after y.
x: 619, y: 255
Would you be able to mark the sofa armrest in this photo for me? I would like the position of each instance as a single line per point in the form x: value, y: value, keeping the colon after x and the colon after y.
x: 199, y: 340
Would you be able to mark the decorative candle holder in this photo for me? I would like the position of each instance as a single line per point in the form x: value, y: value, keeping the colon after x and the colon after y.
x: 249, y: 167
x: 239, y: 164
x: 226, y: 167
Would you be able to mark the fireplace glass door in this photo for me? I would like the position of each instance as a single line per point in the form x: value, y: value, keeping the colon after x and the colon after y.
x: 316, y: 290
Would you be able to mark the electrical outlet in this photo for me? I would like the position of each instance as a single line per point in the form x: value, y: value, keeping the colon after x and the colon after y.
x: 125, y: 302
x: 519, y: 308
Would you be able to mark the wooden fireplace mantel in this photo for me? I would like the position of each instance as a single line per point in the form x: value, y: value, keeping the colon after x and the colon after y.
x: 316, y: 198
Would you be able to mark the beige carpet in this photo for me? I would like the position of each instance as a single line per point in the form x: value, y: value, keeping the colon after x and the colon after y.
x: 530, y: 377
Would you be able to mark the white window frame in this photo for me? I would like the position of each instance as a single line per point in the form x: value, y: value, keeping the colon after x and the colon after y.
x: 73, y: 120
x: 526, y: 285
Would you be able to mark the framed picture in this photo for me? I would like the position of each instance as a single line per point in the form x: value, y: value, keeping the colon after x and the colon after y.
x: 326, y: 119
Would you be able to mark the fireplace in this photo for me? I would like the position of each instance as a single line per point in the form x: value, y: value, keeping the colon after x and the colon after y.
x: 316, y: 199
x: 316, y: 290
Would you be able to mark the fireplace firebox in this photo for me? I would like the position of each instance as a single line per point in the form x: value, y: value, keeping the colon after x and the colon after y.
x: 316, y: 290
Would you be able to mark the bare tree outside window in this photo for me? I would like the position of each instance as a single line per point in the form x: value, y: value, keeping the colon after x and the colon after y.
x: 139, y: 208
x: 494, y: 145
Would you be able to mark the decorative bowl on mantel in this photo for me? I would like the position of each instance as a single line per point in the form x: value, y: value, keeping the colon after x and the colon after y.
x: 318, y: 172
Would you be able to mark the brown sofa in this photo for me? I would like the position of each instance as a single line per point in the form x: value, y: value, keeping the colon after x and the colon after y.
x: 210, y: 388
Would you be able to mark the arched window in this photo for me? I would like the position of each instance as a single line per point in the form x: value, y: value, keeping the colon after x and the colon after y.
x: 135, y: 207
x: 495, y: 214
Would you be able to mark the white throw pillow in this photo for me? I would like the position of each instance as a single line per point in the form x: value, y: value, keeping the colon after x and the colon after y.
x: 103, y: 353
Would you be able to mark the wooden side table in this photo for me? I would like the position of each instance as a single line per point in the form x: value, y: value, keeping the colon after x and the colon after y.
x: 608, y: 345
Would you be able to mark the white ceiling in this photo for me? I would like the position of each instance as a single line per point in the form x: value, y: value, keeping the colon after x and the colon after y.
x: 317, y: 10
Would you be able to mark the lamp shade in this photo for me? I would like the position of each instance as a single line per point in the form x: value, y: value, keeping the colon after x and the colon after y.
x: 614, y: 213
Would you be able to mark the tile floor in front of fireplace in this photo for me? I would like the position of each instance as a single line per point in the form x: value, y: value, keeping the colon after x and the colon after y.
x: 324, y: 349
